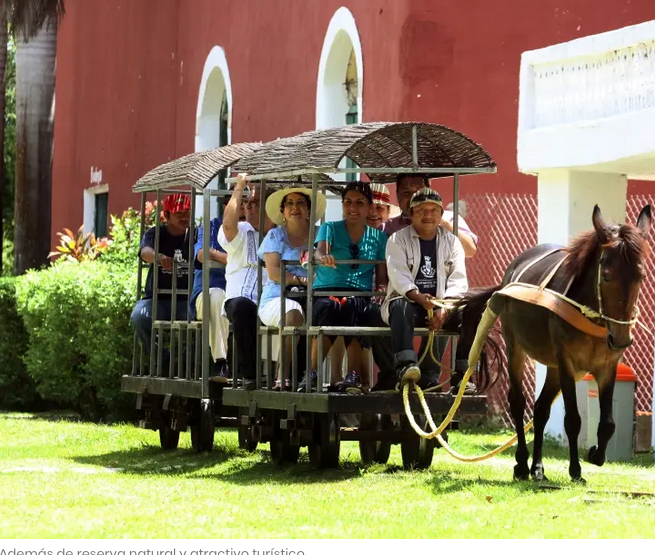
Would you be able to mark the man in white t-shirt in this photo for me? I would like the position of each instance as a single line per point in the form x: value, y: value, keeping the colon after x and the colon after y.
x: 240, y: 240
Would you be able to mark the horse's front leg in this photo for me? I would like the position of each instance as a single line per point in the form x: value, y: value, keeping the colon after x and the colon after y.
x: 606, y: 426
x: 572, y: 421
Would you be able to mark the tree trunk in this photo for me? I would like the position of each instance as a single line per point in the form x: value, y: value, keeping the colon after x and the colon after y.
x: 3, y: 66
x: 35, y: 90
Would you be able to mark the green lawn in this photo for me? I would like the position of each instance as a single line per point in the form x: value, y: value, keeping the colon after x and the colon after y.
x: 60, y: 478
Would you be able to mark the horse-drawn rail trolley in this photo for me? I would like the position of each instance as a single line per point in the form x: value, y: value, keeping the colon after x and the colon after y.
x: 181, y: 395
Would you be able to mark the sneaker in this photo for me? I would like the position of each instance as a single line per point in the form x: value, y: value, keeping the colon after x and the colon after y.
x: 249, y: 384
x: 428, y: 381
x: 455, y: 382
x: 386, y: 382
x: 409, y: 373
x: 219, y: 373
x: 351, y: 381
x: 302, y: 386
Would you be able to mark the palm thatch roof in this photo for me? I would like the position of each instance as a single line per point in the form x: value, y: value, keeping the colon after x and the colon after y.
x: 195, y: 170
x: 374, y: 146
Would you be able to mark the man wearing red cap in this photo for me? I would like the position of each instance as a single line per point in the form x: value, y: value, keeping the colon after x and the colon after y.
x: 173, y: 245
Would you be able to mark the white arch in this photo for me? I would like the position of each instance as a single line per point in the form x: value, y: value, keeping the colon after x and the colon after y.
x: 214, y: 85
x: 341, y: 37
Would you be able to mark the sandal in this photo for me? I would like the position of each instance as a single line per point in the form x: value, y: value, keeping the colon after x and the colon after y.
x: 278, y: 385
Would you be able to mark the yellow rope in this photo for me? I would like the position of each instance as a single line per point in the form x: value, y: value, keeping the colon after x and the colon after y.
x: 436, y: 430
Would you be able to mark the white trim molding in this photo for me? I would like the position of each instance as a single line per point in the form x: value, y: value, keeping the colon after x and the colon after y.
x: 90, y: 205
x: 340, y: 38
x: 214, y: 83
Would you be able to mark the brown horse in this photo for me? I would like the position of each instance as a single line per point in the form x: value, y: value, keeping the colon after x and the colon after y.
x: 602, y: 270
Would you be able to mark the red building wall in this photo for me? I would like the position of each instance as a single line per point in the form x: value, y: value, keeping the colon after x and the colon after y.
x: 128, y: 76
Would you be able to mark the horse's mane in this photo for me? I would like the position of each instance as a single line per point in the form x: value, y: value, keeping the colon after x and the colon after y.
x: 584, y: 248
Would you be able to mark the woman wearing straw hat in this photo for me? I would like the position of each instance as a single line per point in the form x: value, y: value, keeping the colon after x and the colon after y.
x: 289, y: 209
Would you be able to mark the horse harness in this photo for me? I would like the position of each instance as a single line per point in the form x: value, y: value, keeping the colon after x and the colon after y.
x: 574, y: 313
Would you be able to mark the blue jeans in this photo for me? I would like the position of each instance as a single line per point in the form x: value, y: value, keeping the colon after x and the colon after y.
x: 142, y: 317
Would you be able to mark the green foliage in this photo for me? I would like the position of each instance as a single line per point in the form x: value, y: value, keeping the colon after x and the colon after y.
x: 125, y: 235
x: 78, y: 318
x: 7, y: 255
x: 17, y: 389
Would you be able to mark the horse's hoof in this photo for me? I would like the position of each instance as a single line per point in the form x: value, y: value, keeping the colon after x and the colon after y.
x: 521, y: 474
x: 594, y: 457
x: 539, y: 476
x: 579, y: 480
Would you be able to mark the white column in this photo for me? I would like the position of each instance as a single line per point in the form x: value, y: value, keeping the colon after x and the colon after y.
x: 566, y: 203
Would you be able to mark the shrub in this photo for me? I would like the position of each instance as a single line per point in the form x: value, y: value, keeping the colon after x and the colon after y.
x: 17, y: 389
x: 80, y: 336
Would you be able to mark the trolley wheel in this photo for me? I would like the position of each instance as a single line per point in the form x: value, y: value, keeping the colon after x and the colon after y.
x: 324, y: 449
x: 373, y: 451
x: 416, y: 452
x: 168, y: 437
x: 246, y: 442
x: 202, y: 430
x: 283, y: 452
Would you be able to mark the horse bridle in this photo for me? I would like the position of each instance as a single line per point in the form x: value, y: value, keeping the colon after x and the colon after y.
x: 599, y: 314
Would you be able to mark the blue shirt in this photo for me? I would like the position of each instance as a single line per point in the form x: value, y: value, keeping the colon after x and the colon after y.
x: 216, y: 275
x: 372, y: 246
x: 277, y: 241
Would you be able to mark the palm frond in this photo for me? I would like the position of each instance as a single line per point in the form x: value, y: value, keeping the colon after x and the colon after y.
x: 26, y: 17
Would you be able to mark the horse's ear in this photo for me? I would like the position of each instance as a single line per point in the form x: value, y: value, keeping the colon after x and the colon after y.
x: 600, y: 226
x: 644, y: 221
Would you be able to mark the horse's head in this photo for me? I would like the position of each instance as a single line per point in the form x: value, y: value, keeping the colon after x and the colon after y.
x: 623, y: 249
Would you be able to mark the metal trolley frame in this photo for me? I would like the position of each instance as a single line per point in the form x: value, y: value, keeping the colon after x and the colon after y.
x: 289, y: 420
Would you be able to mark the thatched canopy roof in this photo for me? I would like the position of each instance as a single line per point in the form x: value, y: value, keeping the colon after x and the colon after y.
x: 371, y: 146
x: 195, y: 170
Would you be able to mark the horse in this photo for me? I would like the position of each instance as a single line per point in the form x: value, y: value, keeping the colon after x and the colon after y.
x: 574, y: 316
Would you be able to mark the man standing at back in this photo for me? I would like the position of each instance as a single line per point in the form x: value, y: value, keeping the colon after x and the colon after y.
x: 406, y: 186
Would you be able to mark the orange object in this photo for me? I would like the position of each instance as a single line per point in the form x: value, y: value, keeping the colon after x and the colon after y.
x: 623, y: 374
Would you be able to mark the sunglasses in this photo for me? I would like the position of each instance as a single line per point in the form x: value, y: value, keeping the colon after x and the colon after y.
x: 298, y: 203
x: 423, y: 197
x: 354, y: 253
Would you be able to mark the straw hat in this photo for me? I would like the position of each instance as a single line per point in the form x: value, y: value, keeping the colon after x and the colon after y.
x: 381, y: 195
x: 274, y: 201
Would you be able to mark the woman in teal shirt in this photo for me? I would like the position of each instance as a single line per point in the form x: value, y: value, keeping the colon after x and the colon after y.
x: 347, y: 239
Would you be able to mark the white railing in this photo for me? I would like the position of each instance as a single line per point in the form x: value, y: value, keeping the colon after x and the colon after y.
x: 588, y: 101
x: 594, y: 77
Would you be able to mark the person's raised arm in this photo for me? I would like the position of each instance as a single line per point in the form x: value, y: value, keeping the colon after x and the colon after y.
x: 465, y: 238
x: 231, y: 213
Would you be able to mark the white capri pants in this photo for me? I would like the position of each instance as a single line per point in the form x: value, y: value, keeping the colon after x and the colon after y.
x: 269, y: 314
x: 219, y: 326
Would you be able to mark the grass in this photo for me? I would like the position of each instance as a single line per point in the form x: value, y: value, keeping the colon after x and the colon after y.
x: 61, y: 478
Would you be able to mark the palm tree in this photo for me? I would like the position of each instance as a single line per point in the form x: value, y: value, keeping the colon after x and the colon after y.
x: 34, y: 25
x: 3, y: 66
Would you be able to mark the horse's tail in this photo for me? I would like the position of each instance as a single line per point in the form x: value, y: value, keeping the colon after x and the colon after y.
x: 472, y: 307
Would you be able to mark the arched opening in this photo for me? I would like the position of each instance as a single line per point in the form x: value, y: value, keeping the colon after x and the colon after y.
x: 213, y: 121
x: 340, y: 84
